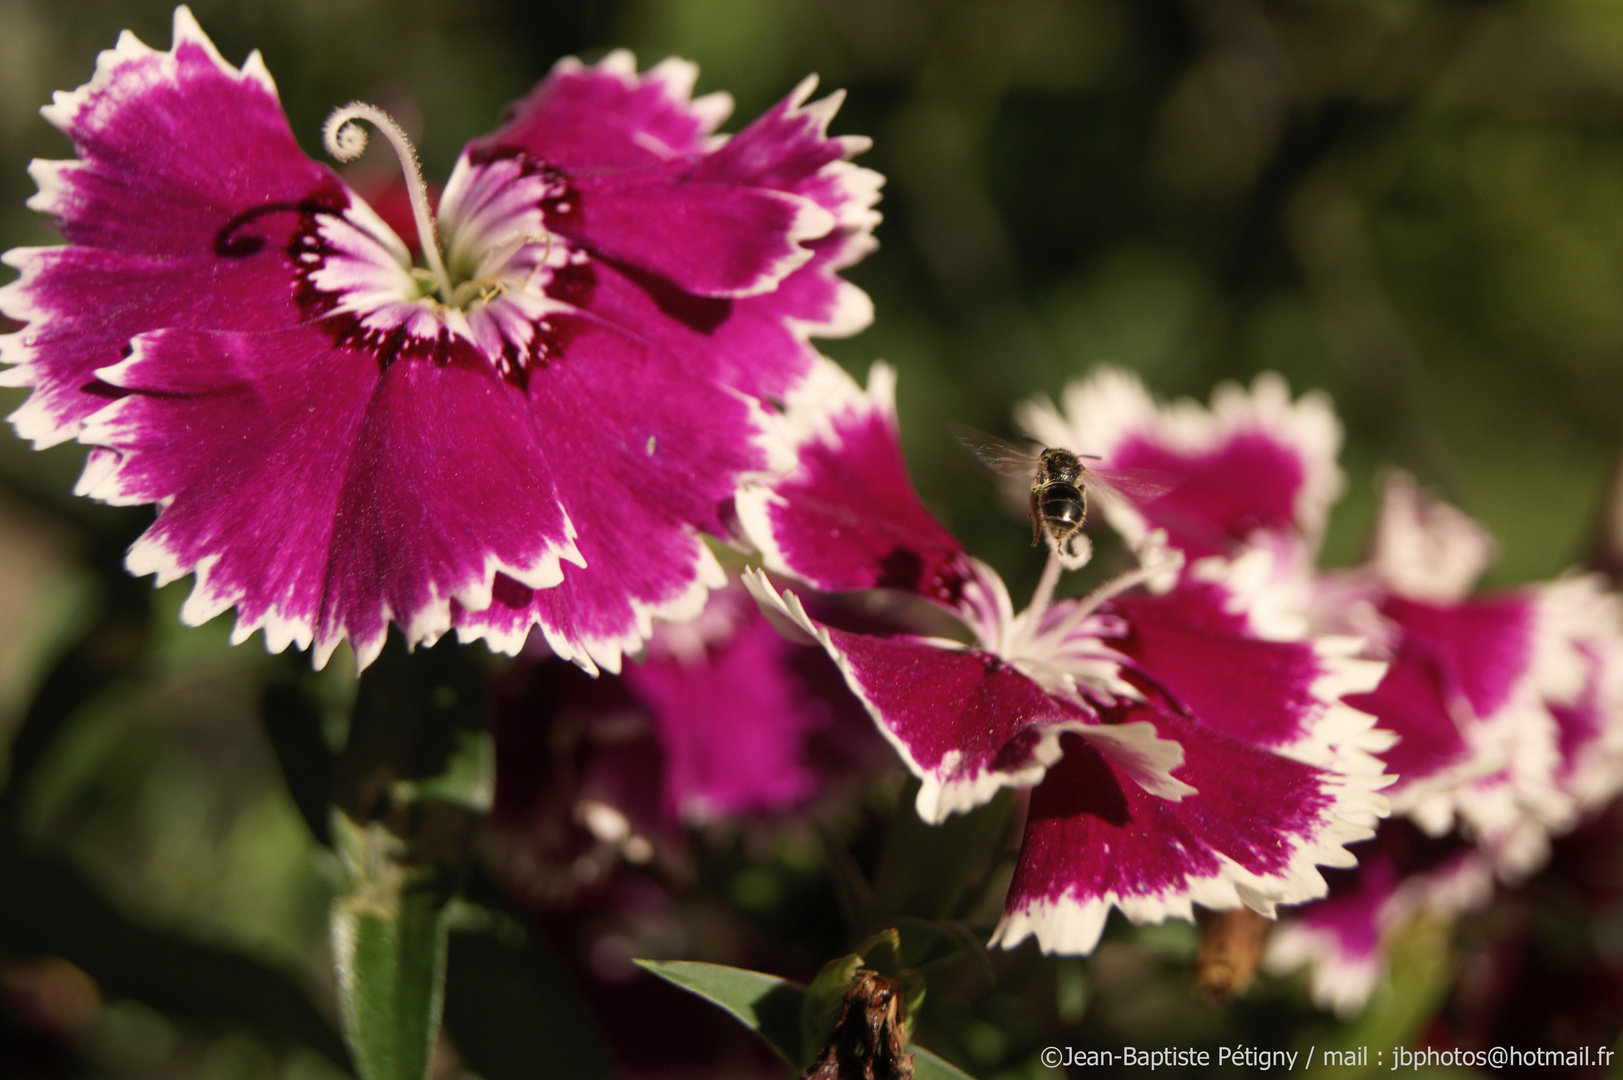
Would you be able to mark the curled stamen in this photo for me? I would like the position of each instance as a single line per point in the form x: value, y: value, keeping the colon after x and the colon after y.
x: 345, y: 140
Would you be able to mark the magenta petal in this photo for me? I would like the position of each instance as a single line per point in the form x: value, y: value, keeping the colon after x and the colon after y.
x: 1455, y: 667
x: 1252, y: 833
x: 1282, y: 695
x: 734, y: 717
x: 187, y: 188
x: 1410, y: 702
x: 1257, y: 467
x: 643, y: 453
x: 1481, y: 649
x: 965, y: 722
x: 609, y: 117
x: 756, y: 344
x: 321, y: 497
x: 1469, y: 695
x: 705, y: 239
x: 847, y: 516
x: 1248, y: 484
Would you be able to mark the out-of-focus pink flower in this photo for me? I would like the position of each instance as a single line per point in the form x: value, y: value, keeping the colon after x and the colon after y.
x: 1507, y: 710
x: 1508, y: 706
x: 724, y: 720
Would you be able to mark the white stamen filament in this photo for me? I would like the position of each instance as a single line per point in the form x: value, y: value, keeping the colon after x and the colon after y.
x: 1043, y: 594
x: 1108, y: 591
x: 346, y: 141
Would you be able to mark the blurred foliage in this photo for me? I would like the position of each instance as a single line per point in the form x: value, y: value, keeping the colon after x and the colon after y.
x: 1416, y: 206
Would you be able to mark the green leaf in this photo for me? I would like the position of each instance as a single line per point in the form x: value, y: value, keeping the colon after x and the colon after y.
x: 772, y: 1007
x: 824, y: 997
x: 764, y: 1003
x: 927, y: 1066
x: 389, y: 930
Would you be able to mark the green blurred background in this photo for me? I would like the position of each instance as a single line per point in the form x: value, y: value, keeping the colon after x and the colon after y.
x: 1415, y: 206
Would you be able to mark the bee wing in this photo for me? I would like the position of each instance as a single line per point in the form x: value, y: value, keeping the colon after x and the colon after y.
x: 1134, y: 485
x: 1000, y: 455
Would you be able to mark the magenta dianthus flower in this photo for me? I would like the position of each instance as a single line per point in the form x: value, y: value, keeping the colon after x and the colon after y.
x: 1186, y: 746
x: 531, y: 431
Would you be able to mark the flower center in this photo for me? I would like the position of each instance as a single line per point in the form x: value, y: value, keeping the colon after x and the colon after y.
x: 466, y: 274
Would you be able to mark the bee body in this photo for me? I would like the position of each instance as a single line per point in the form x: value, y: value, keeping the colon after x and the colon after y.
x: 1059, y: 501
x: 1060, y: 483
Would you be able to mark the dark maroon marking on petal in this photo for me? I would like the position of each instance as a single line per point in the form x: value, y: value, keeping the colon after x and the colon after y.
x: 572, y: 283
x: 507, y: 593
x: 630, y: 208
x: 752, y: 350
x: 702, y: 314
x: 1260, y: 692
x: 231, y: 242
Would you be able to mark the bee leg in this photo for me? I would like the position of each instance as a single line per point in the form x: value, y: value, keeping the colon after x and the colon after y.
x: 1036, y: 530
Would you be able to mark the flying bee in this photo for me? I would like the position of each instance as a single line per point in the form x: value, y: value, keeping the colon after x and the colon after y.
x: 1060, y: 483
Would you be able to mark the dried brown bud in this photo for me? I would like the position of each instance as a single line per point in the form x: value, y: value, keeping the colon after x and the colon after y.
x: 867, y: 1040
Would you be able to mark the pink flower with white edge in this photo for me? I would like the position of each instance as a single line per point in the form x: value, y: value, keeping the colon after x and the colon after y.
x: 1258, y: 469
x: 1344, y: 939
x: 531, y: 430
x: 1508, y: 706
x: 1183, y: 753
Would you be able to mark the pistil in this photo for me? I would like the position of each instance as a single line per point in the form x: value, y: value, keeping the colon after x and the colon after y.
x: 346, y: 140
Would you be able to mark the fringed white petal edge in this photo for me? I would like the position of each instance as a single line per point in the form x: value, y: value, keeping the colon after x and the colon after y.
x: 33, y: 420
x: 1072, y: 926
x: 593, y: 653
